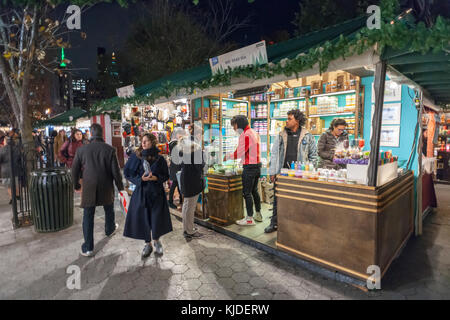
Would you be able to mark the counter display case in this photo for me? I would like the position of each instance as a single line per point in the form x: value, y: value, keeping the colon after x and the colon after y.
x: 346, y: 228
x: 225, y: 205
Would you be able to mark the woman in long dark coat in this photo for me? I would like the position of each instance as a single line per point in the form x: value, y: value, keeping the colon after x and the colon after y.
x: 148, y: 213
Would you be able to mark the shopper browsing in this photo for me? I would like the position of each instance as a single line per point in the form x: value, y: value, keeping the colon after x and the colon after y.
x: 292, y: 144
x: 249, y: 151
x: 174, y: 168
x: 328, y: 141
x: 100, y: 166
x: 191, y: 177
x: 148, y: 213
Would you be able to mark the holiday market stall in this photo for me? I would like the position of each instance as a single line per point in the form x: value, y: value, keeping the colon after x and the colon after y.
x: 344, y: 220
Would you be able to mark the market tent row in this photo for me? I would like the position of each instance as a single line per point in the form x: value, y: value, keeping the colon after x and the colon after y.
x: 66, y: 118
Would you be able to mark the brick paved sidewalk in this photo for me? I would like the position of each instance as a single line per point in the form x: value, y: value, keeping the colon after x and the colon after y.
x: 33, y: 266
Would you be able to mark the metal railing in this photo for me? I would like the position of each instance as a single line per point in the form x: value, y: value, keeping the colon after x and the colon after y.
x: 23, y: 160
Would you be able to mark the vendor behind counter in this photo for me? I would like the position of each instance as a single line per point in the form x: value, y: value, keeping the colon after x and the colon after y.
x: 328, y: 141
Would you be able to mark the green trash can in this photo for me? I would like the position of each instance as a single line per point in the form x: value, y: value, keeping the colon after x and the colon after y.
x: 51, y: 195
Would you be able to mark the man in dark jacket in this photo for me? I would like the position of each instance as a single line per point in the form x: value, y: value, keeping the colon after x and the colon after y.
x: 100, y: 167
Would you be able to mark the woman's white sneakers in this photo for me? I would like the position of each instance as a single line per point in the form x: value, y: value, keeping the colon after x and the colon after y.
x: 247, y: 221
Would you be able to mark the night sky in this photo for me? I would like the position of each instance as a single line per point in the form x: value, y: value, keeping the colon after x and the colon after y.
x: 107, y: 25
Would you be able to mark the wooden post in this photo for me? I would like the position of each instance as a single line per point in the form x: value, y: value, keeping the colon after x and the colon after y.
x: 357, y: 104
x: 192, y: 107
x: 380, y: 77
x: 361, y: 106
x: 268, y: 130
x: 203, y: 148
x: 220, y: 130
x: 419, y: 211
x: 249, y: 111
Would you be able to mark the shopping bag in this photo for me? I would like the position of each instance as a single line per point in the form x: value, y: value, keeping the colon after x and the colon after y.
x: 124, y: 201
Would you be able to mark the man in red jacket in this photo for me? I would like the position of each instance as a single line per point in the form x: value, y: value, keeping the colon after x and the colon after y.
x: 249, y: 151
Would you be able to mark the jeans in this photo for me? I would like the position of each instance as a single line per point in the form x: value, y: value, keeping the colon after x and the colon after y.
x: 88, y: 225
x: 250, y: 177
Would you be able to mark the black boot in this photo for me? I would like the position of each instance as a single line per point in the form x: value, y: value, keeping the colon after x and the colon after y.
x: 271, y: 228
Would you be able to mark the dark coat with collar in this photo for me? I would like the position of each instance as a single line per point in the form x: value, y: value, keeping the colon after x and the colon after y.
x: 100, y: 167
x: 148, y: 214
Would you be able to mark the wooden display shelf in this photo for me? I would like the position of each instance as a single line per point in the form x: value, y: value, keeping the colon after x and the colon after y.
x: 288, y: 99
x: 344, y: 227
x: 331, y: 114
x: 333, y: 93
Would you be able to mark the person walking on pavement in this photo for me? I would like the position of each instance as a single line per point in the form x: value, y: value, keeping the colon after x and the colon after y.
x: 191, y: 177
x: 249, y: 151
x: 60, y: 139
x: 294, y: 143
x: 148, y: 213
x: 100, y: 166
x: 5, y: 164
x: 69, y: 148
x: 174, y: 168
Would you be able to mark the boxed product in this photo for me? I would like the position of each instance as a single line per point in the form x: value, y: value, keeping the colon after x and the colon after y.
x: 386, y: 172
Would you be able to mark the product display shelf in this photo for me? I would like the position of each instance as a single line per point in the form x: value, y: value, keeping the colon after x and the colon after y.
x: 288, y: 99
x: 333, y: 93
x: 331, y: 114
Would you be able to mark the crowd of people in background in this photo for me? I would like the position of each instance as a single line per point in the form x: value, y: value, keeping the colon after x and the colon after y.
x: 95, y: 169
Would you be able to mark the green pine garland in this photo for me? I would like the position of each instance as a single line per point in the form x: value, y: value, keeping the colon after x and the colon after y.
x: 397, y: 36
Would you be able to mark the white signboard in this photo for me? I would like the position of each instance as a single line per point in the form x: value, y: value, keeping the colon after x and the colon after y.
x: 390, y: 136
x: 391, y: 113
x: 392, y: 91
x: 125, y: 92
x: 255, y: 54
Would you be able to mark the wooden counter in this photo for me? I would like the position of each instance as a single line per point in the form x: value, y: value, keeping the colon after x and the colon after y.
x: 225, y: 203
x: 345, y: 227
